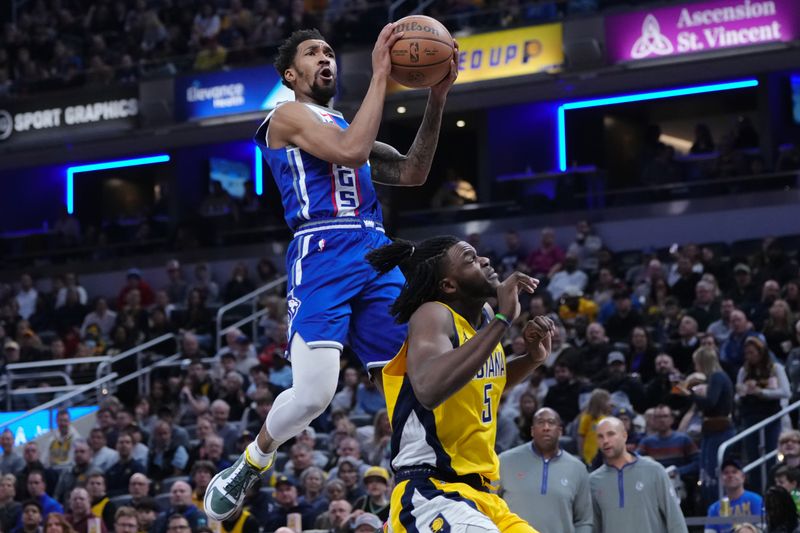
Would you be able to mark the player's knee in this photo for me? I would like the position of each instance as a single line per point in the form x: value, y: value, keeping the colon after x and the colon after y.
x: 316, y: 374
x: 313, y: 398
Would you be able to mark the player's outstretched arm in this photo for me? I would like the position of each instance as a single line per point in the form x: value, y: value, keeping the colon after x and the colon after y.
x: 538, y: 335
x: 389, y: 166
x: 295, y: 124
x: 436, y: 369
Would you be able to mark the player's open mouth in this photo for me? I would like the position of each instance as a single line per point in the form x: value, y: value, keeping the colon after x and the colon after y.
x: 325, y: 73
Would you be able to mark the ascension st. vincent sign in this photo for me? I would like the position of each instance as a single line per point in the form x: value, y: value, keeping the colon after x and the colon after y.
x: 700, y: 26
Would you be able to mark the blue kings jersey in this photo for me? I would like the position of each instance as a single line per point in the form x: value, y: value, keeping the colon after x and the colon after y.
x: 315, y: 189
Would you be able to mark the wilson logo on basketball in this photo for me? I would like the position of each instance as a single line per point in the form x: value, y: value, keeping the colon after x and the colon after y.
x: 415, y: 26
x: 413, y: 50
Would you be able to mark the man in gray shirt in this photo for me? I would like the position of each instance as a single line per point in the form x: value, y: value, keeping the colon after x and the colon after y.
x: 631, y: 493
x: 11, y: 462
x: 545, y: 485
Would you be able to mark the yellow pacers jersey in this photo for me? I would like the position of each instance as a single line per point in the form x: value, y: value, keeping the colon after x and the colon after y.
x: 458, y: 436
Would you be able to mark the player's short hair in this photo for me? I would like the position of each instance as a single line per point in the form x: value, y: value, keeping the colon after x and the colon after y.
x: 288, y: 49
x: 422, y: 264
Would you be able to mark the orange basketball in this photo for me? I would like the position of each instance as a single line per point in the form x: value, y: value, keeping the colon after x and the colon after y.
x: 421, y: 57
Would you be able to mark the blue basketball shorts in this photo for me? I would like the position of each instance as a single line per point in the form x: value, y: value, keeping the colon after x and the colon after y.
x: 335, y: 298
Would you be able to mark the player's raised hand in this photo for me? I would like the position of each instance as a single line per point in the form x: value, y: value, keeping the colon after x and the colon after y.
x: 381, y: 53
x: 538, y: 334
x: 508, y: 293
x: 443, y: 87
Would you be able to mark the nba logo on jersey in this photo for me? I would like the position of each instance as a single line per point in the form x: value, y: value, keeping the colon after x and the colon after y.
x: 440, y: 525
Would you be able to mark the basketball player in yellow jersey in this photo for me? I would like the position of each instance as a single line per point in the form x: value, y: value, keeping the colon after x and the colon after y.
x: 443, y: 387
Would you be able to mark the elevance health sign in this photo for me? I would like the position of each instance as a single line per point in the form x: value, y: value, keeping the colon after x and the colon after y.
x: 700, y: 26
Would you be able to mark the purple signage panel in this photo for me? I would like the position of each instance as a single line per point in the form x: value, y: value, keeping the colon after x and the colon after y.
x: 700, y: 26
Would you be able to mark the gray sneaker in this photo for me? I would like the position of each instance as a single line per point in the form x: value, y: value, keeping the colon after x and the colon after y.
x: 227, y: 489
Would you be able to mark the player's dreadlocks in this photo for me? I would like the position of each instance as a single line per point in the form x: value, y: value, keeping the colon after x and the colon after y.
x: 423, y: 266
x: 288, y: 49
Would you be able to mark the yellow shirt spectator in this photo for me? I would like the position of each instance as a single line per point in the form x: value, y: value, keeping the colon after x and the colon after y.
x: 568, y: 311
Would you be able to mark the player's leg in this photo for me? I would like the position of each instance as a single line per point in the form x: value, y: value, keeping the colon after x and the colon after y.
x: 315, y: 373
x: 424, y: 505
x: 370, y: 314
x: 507, y: 522
x: 318, y: 322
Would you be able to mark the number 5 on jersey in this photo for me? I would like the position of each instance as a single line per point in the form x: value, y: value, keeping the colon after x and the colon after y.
x: 486, y: 414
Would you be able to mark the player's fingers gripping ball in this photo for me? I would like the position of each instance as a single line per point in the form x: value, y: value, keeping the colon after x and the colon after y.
x: 422, y: 56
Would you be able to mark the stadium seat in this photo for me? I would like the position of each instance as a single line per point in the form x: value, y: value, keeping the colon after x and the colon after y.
x: 166, y: 483
x: 281, y: 458
x: 121, y: 500
x: 361, y: 419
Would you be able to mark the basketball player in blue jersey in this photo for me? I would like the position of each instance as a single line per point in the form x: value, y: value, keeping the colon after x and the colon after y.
x: 443, y: 387
x: 325, y: 169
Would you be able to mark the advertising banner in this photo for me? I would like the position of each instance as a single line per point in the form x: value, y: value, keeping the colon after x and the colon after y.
x: 229, y: 92
x: 507, y: 53
x: 79, y: 112
x: 701, y: 26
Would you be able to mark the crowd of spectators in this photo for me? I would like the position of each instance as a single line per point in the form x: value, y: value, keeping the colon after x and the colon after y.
x: 55, y: 44
x: 685, y: 349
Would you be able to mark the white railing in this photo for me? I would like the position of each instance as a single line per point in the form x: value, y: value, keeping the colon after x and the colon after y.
x: 17, y: 372
x: 97, y: 385
x: 252, y: 299
x: 764, y: 455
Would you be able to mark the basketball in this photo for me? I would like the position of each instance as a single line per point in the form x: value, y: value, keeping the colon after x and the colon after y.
x: 421, y: 58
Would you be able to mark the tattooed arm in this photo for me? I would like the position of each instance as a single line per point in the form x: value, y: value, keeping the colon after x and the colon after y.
x: 390, y: 167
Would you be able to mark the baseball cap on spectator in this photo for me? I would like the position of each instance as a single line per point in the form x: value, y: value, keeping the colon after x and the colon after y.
x: 367, y: 519
x: 242, y: 339
x: 11, y: 345
x: 134, y: 273
x: 173, y: 264
x: 227, y: 355
x: 615, y: 357
x: 623, y: 411
x: 377, y: 472
x: 730, y: 462
x: 284, y: 480
x: 741, y: 267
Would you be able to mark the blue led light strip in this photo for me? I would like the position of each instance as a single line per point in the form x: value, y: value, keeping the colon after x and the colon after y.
x: 639, y: 97
x: 258, y: 168
x: 71, y: 171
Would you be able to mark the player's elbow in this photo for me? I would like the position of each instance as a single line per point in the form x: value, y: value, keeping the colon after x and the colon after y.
x: 427, y: 395
x: 354, y: 156
x: 413, y: 179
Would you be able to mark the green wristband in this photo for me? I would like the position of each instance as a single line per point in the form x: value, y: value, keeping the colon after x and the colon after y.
x: 502, y: 318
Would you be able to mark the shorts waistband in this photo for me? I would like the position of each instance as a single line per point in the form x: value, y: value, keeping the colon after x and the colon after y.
x: 476, y: 481
x: 324, y: 224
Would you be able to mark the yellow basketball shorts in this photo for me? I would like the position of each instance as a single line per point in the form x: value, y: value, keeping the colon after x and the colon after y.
x: 427, y: 505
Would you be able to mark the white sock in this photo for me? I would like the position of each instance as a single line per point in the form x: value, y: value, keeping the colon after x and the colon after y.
x: 257, y: 457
